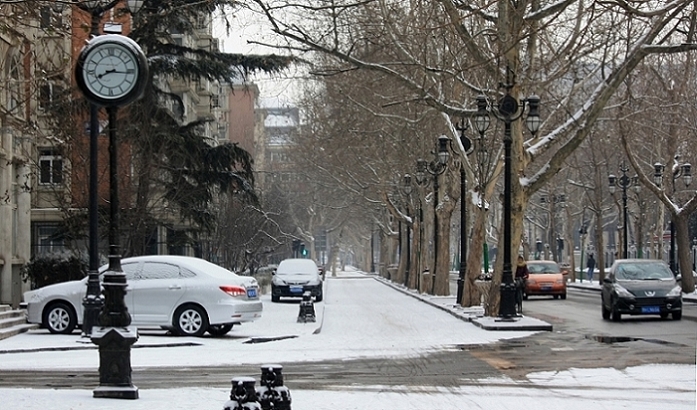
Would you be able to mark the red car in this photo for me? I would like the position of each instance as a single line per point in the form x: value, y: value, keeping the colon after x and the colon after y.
x: 545, y: 279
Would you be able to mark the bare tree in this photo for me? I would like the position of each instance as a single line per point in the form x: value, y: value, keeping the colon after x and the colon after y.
x: 575, y: 54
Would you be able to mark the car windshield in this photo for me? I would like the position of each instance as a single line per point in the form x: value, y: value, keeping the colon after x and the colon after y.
x: 643, y: 271
x: 543, y: 268
x: 297, y: 267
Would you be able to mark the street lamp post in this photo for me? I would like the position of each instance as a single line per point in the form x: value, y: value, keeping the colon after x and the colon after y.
x: 467, y: 146
x: 582, y: 232
x: 372, y: 250
x: 435, y: 168
x: 406, y: 189
x: 509, y: 109
x: 624, y: 182
x: 679, y: 170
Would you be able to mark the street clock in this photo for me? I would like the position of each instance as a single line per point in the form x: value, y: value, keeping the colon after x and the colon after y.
x: 111, y: 70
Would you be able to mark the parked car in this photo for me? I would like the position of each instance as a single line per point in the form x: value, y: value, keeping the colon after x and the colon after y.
x: 640, y: 287
x: 545, y: 279
x: 293, y: 277
x: 186, y: 295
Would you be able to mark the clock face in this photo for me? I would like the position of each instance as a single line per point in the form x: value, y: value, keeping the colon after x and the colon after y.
x: 110, y: 71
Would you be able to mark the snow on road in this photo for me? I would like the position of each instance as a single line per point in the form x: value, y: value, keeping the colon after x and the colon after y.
x: 360, y: 317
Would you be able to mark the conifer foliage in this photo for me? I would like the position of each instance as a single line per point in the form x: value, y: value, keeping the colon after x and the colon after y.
x: 176, y: 166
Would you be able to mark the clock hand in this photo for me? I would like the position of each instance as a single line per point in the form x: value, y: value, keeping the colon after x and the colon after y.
x: 106, y: 72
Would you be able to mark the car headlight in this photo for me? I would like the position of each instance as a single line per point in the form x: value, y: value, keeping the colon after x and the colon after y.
x: 675, y: 292
x: 279, y: 281
x: 622, y: 292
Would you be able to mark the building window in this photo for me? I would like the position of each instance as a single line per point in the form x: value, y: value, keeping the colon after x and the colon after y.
x: 50, y: 167
x: 176, y: 242
x: 14, y: 89
x: 49, y: 93
x: 50, y: 18
x: 48, y: 238
x: 201, y: 22
x: 279, y: 156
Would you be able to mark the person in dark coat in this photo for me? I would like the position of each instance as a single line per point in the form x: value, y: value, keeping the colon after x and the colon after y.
x: 591, y: 267
x: 521, y: 275
x: 521, y: 270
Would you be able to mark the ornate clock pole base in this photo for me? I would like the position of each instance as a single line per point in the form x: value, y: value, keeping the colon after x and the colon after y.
x: 115, y: 338
x: 115, y: 362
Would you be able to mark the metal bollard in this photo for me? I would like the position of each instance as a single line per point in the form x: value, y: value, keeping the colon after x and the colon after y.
x: 307, y: 309
x: 272, y: 393
x: 243, y: 395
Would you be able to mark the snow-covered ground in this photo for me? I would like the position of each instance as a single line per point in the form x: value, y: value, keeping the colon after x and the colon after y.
x: 356, y: 320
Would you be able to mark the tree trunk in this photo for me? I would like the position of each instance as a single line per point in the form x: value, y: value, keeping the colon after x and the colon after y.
x: 414, y: 268
x: 441, y: 287
x: 680, y: 221
x: 399, y: 275
x: 471, y: 295
x: 445, y: 208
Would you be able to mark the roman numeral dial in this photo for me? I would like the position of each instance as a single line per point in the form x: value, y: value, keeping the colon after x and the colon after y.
x: 110, y: 69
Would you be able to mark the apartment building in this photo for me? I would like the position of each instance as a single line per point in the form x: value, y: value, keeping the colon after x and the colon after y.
x: 34, y: 71
x: 43, y: 176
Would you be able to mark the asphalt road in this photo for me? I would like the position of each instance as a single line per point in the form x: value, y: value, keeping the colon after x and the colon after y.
x: 581, y: 339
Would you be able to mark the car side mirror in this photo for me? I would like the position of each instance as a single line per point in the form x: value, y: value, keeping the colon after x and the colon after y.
x: 607, y: 280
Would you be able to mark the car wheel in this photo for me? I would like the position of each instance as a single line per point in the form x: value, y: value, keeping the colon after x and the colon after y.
x: 275, y: 298
x: 319, y: 297
x: 563, y: 296
x: 59, y: 318
x: 219, y: 330
x: 190, y: 320
x: 556, y: 296
x: 664, y: 315
x: 677, y: 315
x: 606, y: 312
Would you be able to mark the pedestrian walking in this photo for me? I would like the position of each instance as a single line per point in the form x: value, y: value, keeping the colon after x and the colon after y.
x: 591, y: 267
x: 521, y: 275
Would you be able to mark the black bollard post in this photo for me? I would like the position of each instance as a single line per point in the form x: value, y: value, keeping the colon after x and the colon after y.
x: 272, y: 393
x: 307, y: 309
x: 243, y: 395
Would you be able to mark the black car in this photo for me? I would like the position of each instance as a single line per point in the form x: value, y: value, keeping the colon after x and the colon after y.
x: 641, y: 287
x: 294, y: 277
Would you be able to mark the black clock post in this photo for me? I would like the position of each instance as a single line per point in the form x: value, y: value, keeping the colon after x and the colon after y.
x: 111, y: 72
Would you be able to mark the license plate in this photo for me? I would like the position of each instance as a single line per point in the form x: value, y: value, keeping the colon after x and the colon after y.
x: 296, y: 289
x: 251, y: 293
x: 546, y: 288
x: 650, y: 309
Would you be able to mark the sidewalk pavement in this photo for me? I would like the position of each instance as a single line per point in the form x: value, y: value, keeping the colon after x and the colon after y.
x: 476, y: 316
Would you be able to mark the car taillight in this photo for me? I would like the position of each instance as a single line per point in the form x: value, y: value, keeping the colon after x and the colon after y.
x: 234, y: 290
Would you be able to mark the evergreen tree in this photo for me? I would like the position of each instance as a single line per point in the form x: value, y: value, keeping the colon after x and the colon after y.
x: 175, y: 166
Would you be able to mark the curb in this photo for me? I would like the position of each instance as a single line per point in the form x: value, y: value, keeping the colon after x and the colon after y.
x: 486, y: 323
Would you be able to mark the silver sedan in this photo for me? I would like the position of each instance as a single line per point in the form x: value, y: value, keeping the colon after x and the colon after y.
x: 187, y: 295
